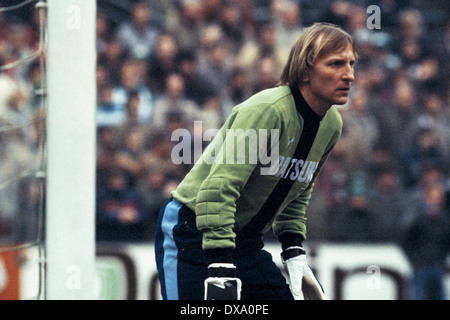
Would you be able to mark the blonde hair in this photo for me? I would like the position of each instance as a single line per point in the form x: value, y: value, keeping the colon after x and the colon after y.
x: 316, y: 41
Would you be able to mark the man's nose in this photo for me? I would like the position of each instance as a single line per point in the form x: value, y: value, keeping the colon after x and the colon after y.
x: 349, y: 74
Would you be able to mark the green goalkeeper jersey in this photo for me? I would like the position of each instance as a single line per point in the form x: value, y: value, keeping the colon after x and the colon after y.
x: 233, y: 188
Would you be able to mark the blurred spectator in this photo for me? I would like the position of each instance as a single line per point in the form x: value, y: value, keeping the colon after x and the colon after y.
x: 432, y: 174
x: 356, y: 19
x: 239, y: 88
x: 173, y: 100
x: 330, y: 197
x: 103, y: 33
x: 395, y: 113
x: 434, y: 114
x: 170, y: 186
x: 426, y: 243
x: 151, y: 186
x: 212, y: 113
x: 261, y: 46
x: 196, y: 87
x: 120, y: 215
x: 287, y: 17
x: 112, y: 57
x: 4, y: 26
x: 425, y: 149
x: 133, y: 74
x: 188, y: 24
x: 17, y: 162
x: 387, y: 201
x: 22, y: 42
x: 130, y: 155
x: 215, y: 61
x: 33, y: 78
x: 108, y: 113
x: 361, y: 130
x: 445, y: 49
x: 334, y: 180
x: 411, y: 43
x: 102, y: 75
x: 159, y: 154
x: 267, y: 75
x: 11, y: 80
x: 29, y: 208
x: 354, y: 221
x: 139, y: 35
x: 131, y: 120
x: 17, y: 114
x: 231, y: 22
x: 107, y: 147
x: 426, y: 73
x: 211, y: 9
x: 338, y: 12
x: 235, y: 21
x: 162, y: 62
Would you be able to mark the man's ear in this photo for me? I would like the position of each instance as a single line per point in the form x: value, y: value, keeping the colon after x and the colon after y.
x: 305, y: 76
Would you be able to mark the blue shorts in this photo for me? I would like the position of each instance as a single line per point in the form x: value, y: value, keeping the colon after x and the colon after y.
x: 183, y: 267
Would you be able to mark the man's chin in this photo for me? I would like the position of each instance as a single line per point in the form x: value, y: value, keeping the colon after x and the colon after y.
x: 340, y: 102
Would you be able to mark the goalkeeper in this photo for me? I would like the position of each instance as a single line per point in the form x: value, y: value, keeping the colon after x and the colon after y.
x: 209, y: 236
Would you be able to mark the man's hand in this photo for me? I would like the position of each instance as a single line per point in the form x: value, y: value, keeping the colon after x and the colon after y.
x: 222, y: 283
x: 303, y: 283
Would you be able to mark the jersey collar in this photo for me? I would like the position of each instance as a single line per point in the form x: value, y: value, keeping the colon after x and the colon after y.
x: 303, y: 107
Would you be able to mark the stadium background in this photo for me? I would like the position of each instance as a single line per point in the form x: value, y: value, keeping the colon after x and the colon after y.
x: 195, y: 60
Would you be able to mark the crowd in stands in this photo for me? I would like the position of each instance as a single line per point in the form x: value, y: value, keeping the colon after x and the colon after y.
x: 170, y: 63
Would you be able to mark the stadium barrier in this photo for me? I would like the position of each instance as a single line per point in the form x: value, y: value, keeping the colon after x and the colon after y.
x: 128, y: 272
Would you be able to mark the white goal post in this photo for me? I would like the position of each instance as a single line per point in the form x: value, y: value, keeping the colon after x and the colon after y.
x: 71, y: 145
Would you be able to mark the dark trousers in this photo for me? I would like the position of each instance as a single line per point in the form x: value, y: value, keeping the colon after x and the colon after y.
x: 428, y: 282
x: 183, y: 267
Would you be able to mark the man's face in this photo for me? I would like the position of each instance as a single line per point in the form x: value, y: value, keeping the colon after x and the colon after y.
x: 328, y: 82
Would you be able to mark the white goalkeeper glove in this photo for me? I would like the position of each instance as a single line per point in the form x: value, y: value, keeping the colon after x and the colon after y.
x: 222, y: 283
x: 302, y: 282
